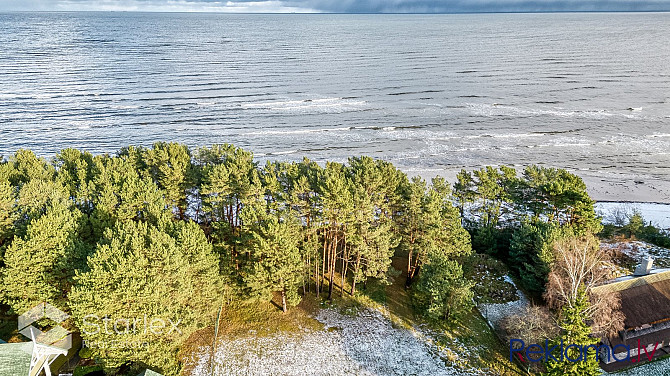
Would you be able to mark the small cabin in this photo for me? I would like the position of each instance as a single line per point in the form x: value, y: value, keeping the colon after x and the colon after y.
x: 645, y: 303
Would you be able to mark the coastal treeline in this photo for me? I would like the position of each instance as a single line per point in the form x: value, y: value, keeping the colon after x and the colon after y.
x: 518, y: 217
x: 173, y: 233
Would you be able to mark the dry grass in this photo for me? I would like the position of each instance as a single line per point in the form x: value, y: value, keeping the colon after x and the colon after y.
x: 470, y: 338
x: 470, y: 335
x: 253, y: 318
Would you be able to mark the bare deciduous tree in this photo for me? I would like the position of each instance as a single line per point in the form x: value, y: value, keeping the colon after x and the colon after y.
x: 533, y: 324
x: 580, y: 265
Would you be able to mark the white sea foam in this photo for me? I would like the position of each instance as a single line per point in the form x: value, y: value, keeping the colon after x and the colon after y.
x: 514, y: 111
x: 295, y: 131
x: 283, y: 152
x: 571, y: 144
x: 307, y: 105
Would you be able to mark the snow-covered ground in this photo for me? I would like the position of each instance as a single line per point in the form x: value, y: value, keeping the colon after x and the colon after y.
x: 363, y: 344
x: 639, y: 250
x: 657, y: 214
x: 493, y: 313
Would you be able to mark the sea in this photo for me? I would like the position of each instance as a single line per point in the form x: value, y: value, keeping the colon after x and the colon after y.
x: 589, y: 92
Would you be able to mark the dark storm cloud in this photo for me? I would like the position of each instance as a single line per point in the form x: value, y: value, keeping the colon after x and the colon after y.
x: 343, y: 6
x: 446, y: 6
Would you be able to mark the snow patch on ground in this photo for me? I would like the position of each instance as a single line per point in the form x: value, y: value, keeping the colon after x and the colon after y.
x: 494, y: 313
x: 656, y: 213
x: 638, y: 251
x: 363, y: 344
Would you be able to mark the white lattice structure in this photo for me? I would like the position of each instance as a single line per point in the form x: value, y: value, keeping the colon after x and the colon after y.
x: 43, y: 356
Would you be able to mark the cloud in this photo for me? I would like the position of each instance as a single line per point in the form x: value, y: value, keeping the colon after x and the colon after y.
x: 450, y: 6
x: 339, y: 6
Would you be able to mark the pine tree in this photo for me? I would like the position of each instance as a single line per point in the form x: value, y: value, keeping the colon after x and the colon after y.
x: 229, y: 178
x: 304, y: 199
x: 442, y: 222
x: 494, y: 193
x: 576, y: 330
x: 275, y: 260
x: 369, y: 237
x: 464, y: 193
x: 531, y: 251
x: 635, y: 224
x: 412, y: 226
x: 122, y: 194
x: 75, y: 173
x: 7, y: 214
x: 40, y: 265
x: 27, y: 166
x: 141, y: 281
x: 441, y: 290
x: 433, y: 226
x: 561, y: 197
x: 337, y: 206
x: 169, y: 165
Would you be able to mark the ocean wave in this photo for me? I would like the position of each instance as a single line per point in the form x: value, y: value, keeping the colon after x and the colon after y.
x: 295, y: 131
x: 492, y: 135
x: 497, y: 109
x: 320, y: 104
x: 284, y: 152
x: 570, y: 144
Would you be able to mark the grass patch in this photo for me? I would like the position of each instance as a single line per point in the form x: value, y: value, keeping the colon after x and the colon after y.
x: 474, y: 333
x: 470, y: 339
x: 241, y: 319
x: 253, y: 319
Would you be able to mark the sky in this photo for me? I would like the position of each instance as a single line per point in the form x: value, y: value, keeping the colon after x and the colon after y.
x: 336, y: 6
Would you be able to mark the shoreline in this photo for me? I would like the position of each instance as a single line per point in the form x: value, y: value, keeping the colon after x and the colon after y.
x: 631, y: 202
x: 604, y: 187
x: 651, y: 196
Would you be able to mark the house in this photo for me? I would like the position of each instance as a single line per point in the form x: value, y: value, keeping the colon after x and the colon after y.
x: 15, y: 360
x: 645, y: 303
x: 27, y: 358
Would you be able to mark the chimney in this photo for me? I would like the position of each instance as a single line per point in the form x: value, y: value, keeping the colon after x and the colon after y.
x: 645, y: 267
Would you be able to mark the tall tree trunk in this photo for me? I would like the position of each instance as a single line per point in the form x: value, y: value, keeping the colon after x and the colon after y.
x: 408, y: 281
x: 309, y: 272
x: 317, y: 276
x: 181, y: 212
x: 345, y: 265
x: 283, y: 299
x: 323, y: 268
x: 353, y: 282
x: 331, y: 267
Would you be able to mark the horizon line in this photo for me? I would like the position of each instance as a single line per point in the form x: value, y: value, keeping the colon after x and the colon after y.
x: 340, y: 13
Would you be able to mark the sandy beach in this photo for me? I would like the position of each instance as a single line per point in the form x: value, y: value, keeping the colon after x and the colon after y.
x: 650, y: 196
x: 601, y: 186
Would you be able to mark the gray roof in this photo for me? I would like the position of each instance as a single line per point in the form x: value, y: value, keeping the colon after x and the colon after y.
x: 15, y: 358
